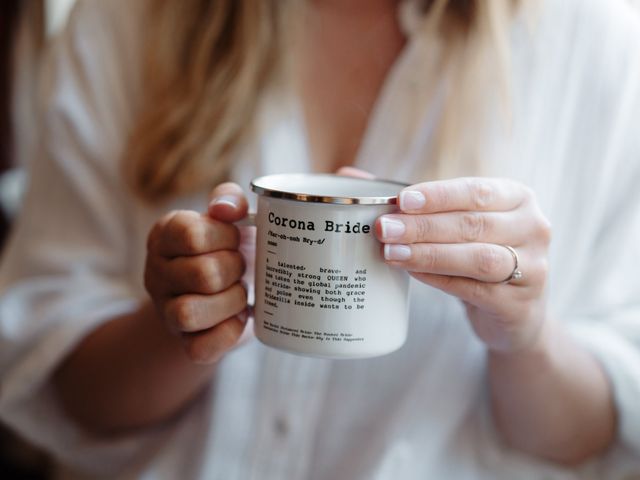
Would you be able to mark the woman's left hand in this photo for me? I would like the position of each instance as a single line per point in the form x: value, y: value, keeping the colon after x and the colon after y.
x: 451, y: 234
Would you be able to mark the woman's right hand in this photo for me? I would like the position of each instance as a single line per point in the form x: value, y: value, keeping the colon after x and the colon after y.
x: 193, y: 273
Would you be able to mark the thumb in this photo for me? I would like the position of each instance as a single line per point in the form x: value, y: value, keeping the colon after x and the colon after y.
x: 228, y: 203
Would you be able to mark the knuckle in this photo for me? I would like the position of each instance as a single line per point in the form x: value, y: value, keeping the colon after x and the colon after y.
x: 488, y: 260
x: 198, y: 350
x: 182, y: 313
x: 191, y: 240
x: 228, y: 333
x: 187, y: 231
x: 209, y: 275
x: 240, y: 295
x: 190, y: 237
x: 544, y: 230
x: 481, y: 193
x: 224, y: 267
x: 158, y: 229
x: 423, y: 227
x: 448, y: 283
x: 235, y: 264
x: 543, y: 268
x: 477, y: 292
x: 472, y: 226
x: 539, y: 274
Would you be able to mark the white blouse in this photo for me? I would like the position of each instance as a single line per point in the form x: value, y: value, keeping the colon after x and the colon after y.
x: 77, y: 254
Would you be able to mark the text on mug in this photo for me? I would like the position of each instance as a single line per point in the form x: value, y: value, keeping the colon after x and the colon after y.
x: 329, y: 225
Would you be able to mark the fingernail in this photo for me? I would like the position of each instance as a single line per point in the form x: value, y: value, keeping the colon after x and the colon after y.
x: 397, y: 252
x: 226, y: 200
x: 391, y: 228
x: 411, y: 200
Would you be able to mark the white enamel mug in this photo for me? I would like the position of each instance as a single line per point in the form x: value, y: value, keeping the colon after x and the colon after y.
x: 321, y: 285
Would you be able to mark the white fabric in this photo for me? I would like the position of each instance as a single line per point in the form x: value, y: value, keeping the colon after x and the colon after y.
x: 77, y: 255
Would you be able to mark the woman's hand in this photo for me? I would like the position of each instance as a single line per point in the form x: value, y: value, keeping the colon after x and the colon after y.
x: 451, y: 235
x: 193, y: 273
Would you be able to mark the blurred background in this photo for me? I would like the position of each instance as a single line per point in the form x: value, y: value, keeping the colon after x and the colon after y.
x: 26, y: 28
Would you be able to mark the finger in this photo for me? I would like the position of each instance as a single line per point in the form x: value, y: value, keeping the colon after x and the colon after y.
x: 354, y: 172
x: 202, y: 274
x: 209, y: 346
x: 456, y: 227
x: 480, y: 261
x: 463, y: 194
x: 228, y: 202
x: 192, y: 313
x: 185, y: 232
x: 468, y: 290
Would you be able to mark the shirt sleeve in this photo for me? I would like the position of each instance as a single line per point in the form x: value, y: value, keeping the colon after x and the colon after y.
x: 65, y: 271
x: 608, y: 322
x: 605, y: 310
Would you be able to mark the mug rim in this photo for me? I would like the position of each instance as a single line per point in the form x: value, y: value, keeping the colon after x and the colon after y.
x: 336, y: 200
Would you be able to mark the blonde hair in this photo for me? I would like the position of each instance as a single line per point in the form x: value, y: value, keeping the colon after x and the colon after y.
x: 207, y: 62
x: 474, y: 59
